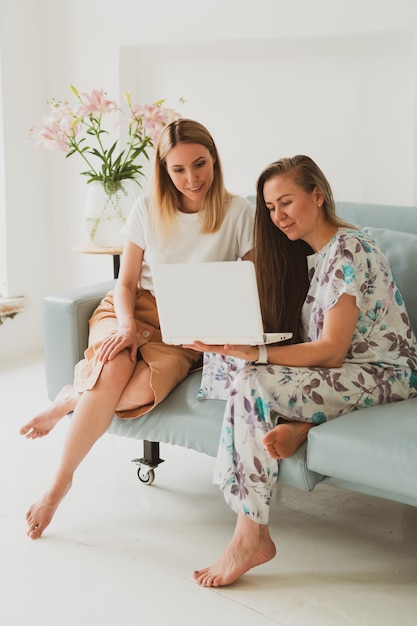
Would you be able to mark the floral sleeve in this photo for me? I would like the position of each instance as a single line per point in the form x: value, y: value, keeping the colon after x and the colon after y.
x: 351, y: 263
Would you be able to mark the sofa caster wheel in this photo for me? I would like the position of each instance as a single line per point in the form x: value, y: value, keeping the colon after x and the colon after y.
x: 146, y: 476
x: 148, y: 463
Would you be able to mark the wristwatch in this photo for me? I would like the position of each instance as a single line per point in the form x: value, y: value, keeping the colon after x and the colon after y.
x: 262, y: 355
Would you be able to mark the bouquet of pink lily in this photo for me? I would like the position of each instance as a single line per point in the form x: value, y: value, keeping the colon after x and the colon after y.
x: 69, y: 129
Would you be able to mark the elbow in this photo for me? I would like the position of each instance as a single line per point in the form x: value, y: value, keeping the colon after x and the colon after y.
x: 333, y: 358
x: 334, y: 361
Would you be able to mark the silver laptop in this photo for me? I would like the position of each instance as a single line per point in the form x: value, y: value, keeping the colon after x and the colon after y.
x: 216, y: 303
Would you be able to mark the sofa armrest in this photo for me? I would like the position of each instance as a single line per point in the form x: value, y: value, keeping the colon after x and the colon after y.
x: 65, y: 326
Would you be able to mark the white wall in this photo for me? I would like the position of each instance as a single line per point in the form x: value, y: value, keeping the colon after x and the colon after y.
x: 333, y: 78
x: 346, y: 100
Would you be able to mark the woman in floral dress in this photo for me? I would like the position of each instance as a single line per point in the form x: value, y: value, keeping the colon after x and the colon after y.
x: 353, y: 347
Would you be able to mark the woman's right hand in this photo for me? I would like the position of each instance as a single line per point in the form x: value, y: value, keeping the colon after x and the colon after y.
x: 124, y: 339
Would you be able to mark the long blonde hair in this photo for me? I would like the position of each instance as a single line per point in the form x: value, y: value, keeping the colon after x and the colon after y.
x: 167, y: 198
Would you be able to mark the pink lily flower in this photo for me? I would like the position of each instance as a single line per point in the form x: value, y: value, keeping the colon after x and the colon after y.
x: 97, y: 103
x: 71, y: 129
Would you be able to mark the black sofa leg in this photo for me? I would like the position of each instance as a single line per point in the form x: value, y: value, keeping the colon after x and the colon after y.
x: 148, y: 462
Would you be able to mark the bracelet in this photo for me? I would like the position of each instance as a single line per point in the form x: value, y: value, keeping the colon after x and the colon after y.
x: 262, y: 355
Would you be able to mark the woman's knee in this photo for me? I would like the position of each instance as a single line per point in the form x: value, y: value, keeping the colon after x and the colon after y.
x: 118, y: 371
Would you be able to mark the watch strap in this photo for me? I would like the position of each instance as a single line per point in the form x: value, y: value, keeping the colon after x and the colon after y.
x: 262, y: 355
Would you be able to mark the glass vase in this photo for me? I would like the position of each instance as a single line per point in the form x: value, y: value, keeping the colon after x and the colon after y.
x: 106, y: 209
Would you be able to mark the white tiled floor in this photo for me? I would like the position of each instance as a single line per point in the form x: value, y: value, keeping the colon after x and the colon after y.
x: 120, y: 553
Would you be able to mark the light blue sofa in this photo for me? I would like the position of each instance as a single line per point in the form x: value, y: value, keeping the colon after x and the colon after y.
x: 372, y: 451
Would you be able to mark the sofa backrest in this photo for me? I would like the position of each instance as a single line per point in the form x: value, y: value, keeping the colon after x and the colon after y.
x: 394, y: 228
x: 394, y: 217
x: 401, y: 250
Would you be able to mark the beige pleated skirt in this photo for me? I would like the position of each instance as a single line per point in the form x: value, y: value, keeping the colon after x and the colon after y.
x: 169, y: 365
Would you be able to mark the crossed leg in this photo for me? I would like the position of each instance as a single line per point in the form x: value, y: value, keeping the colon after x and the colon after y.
x: 67, y: 399
x: 43, y: 423
x: 92, y: 415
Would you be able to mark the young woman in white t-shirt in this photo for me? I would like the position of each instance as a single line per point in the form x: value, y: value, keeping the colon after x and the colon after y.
x: 127, y: 369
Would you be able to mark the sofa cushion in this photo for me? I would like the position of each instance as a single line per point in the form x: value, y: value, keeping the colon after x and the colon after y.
x: 401, y: 250
x: 294, y: 472
x: 183, y: 420
x: 393, y: 216
x: 180, y: 419
x: 376, y: 447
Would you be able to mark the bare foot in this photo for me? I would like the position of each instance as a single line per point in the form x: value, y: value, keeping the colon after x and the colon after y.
x: 40, y: 514
x: 282, y: 441
x: 243, y: 552
x: 44, y: 422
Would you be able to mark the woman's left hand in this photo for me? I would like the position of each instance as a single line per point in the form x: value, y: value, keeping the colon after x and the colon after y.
x: 247, y: 353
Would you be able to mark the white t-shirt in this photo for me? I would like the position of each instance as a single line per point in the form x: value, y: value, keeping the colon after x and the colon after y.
x: 188, y: 245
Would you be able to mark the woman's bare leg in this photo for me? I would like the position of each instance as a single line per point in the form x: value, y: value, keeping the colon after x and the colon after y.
x: 92, y: 416
x: 251, y: 545
x: 138, y: 392
x: 43, y: 423
x: 282, y: 441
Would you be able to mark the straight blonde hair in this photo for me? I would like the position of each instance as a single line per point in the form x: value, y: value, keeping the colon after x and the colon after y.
x: 167, y: 198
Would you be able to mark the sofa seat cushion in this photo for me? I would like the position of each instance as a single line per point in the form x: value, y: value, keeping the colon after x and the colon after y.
x: 376, y: 447
x: 182, y: 419
x: 294, y: 472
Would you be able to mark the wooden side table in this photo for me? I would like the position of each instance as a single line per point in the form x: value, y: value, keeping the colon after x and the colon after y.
x: 90, y: 248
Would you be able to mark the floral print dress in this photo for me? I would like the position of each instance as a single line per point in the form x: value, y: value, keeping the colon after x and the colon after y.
x: 380, y: 367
